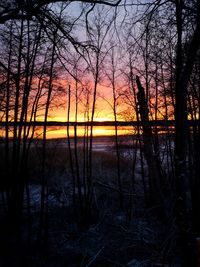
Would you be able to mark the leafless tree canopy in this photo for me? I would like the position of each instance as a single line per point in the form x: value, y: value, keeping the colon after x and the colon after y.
x: 142, y: 60
x: 21, y: 9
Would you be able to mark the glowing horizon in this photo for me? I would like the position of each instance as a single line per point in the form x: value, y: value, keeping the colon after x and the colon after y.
x: 61, y: 132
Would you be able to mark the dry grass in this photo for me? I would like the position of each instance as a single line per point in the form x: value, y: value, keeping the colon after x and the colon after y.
x: 58, y: 161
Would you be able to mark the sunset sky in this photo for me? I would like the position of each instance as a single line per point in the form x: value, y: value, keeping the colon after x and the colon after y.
x: 105, y: 63
x: 103, y: 106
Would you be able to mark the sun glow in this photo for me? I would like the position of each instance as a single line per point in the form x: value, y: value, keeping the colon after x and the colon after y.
x: 61, y: 131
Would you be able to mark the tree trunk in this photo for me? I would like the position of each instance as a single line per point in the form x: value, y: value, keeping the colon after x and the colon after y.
x: 155, y: 191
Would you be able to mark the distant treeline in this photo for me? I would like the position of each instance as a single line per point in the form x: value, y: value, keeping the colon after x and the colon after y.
x: 102, y: 123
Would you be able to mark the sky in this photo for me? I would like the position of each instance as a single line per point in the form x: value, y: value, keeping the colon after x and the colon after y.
x: 103, y: 108
x: 104, y: 101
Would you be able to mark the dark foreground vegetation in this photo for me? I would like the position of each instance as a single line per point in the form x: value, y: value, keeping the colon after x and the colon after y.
x: 114, y: 233
x: 120, y: 226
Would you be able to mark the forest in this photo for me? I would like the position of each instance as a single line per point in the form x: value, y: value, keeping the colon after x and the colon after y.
x: 120, y: 79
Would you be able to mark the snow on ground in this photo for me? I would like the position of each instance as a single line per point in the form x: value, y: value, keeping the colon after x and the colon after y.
x: 115, y: 238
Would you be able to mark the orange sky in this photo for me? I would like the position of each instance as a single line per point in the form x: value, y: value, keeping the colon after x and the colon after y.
x: 104, y: 112
x: 103, y: 107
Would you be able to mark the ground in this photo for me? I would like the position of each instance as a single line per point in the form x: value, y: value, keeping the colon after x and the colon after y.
x: 132, y: 236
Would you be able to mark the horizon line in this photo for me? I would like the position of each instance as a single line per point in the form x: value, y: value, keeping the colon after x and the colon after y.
x: 97, y: 123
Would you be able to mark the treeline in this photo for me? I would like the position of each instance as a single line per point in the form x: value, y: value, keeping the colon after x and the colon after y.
x: 104, y: 123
